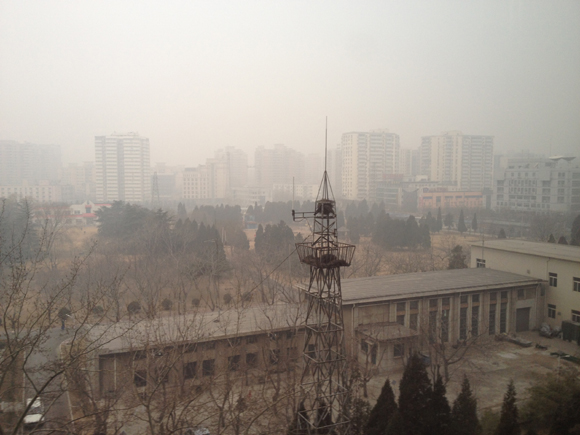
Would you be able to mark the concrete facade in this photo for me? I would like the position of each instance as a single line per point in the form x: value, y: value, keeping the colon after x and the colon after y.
x: 559, y: 265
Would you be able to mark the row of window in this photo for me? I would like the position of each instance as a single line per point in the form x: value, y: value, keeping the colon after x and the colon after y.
x: 553, y: 277
x: 552, y: 313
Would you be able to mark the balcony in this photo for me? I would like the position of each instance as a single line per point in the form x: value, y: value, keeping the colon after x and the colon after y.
x: 325, y: 257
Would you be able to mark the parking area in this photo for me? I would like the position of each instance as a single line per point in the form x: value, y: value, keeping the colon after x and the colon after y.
x: 490, y: 368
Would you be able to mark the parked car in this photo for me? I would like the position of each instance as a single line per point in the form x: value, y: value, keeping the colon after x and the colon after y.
x: 35, y: 414
x: 198, y: 430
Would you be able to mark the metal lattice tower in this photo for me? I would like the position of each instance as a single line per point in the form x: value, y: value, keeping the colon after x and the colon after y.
x: 323, y: 387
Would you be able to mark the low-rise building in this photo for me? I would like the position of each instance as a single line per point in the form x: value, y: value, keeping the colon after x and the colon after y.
x: 385, y: 317
x: 559, y: 265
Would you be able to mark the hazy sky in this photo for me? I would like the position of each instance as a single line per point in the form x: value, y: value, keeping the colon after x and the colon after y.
x: 194, y: 76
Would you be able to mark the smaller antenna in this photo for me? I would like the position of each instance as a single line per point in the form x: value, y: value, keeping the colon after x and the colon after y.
x: 325, y: 143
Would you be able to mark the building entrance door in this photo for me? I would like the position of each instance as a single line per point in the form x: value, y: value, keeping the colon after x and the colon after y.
x: 522, y: 319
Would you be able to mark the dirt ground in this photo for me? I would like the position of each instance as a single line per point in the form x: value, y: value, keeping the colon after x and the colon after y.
x: 490, y: 370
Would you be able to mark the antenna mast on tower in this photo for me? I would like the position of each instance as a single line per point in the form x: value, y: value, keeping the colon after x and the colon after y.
x: 323, y: 386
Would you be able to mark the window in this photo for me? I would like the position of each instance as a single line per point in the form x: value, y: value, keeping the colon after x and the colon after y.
x: 463, y: 299
x: 553, y: 279
x: 401, y: 319
x: 140, y: 378
x: 234, y: 363
x: 208, y: 367
x: 209, y: 345
x: 190, y: 370
x: 252, y: 339
x: 475, y: 299
x: 503, y: 318
x: 492, y: 310
x: 413, y: 321
x: 432, y: 326
x: 463, y: 324
x: 475, y: 321
x: 401, y: 307
x: 414, y: 305
x: 575, y: 316
x: 445, y: 302
x: 251, y: 360
x: 398, y: 350
x: 162, y: 376
x: 274, y: 356
x: 311, y: 351
x: 236, y: 341
x: 521, y: 293
x: 433, y: 303
x: 576, y: 283
x: 445, y: 326
x: 504, y: 295
x: 479, y: 262
x: 493, y: 297
x: 290, y: 334
x: 374, y: 351
x: 364, y: 346
x: 551, y: 311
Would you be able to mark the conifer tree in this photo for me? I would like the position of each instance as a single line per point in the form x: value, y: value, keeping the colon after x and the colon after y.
x: 457, y: 259
x: 575, y: 233
x: 415, y: 393
x: 384, y: 409
x: 474, y: 222
x: 461, y: 223
x: 448, y: 220
x: 508, y: 421
x: 439, y: 220
x: 562, y: 241
x: 464, y: 419
x: 501, y: 234
x: 551, y: 239
x: 440, y: 409
x: 396, y: 425
x: 425, y: 236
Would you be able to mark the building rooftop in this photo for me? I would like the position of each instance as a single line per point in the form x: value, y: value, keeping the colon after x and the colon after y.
x: 425, y: 284
x: 541, y: 249
x: 196, y: 327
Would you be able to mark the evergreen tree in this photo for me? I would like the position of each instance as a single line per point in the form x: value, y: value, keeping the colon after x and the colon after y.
x: 412, y: 236
x: 474, y: 222
x: 396, y: 425
x: 415, y: 393
x: 448, y: 220
x: 425, y: 236
x: 501, y: 234
x: 259, y: 240
x: 562, y: 241
x: 457, y: 259
x: 464, y: 419
x: 551, y: 239
x: 359, y: 416
x: 382, y: 412
x: 439, y: 220
x: 461, y: 223
x: 575, y: 233
x: 440, y: 409
x: 508, y: 421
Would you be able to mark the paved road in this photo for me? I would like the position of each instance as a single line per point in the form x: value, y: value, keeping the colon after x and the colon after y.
x: 41, y: 366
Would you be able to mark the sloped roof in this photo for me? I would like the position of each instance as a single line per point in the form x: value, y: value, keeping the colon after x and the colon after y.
x: 541, y: 249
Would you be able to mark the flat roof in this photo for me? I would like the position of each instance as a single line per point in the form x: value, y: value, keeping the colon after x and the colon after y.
x: 423, y: 284
x: 196, y: 327
x: 540, y: 249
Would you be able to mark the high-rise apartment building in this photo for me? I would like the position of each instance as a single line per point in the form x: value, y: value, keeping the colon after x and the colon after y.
x: 78, y: 182
x: 539, y: 185
x: 409, y: 162
x: 278, y: 165
x: 367, y: 157
x: 26, y: 163
x: 236, y: 162
x: 122, y: 168
x: 466, y: 160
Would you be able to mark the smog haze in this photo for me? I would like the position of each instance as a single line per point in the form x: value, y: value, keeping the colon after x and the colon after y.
x: 198, y: 76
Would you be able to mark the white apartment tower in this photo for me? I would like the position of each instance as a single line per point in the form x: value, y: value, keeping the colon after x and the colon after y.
x: 367, y: 157
x: 278, y: 165
x: 465, y: 160
x: 122, y: 168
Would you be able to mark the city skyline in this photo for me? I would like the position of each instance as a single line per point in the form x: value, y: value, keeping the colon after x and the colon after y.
x: 194, y: 80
